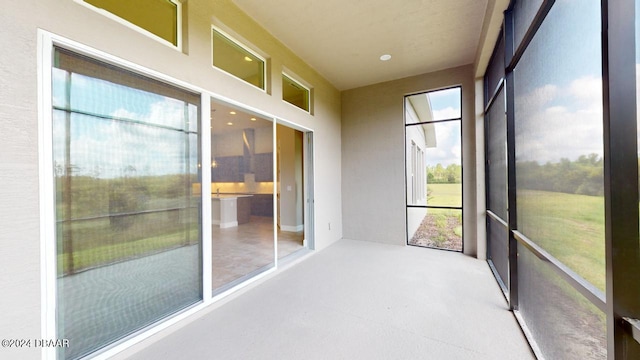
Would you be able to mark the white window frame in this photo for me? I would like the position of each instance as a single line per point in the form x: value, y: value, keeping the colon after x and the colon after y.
x: 142, y: 30
x: 247, y: 49
x: 421, y: 173
x: 414, y: 175
x: 48, y: 258
x: 299, y: 83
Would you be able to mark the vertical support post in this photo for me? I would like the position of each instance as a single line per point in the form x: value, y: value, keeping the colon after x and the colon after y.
x: 509, y: 51
x: 620, y: 175
x: 67, y: 246
x: 188, y: 177
x: 204, y: 144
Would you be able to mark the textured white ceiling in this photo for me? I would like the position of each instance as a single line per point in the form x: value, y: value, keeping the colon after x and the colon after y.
x: 343, y: 39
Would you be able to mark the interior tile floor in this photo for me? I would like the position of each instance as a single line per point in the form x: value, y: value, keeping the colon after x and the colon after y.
x: 242, y: 250
x: 355, y: 300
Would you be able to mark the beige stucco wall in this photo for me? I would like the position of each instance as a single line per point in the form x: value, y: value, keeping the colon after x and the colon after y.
x: 373, y: 159
x: 19, y: 209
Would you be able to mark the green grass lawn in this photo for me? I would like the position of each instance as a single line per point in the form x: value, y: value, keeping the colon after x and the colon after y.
x: 444, y: 194
x: 568, y: 226
x: 441, y: 228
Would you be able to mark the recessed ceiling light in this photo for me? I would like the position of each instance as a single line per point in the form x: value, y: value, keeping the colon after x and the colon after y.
x: 246, y: 58
x: 253, y: 119
x: 385, y: 57
x: 229, y: 123
x: 232, y: 112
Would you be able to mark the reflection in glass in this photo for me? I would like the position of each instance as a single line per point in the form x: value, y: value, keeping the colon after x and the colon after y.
x: 242, y: 201
x: 125, y: 153
x: 564, y: 323
x: 558, y: 133
x: 437, y: 228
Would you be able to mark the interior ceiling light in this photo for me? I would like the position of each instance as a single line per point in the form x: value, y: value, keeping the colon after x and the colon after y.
x: 229, y: 123
x: 232, y: 112
x: 385, y: 57
x: 246, y: 58
x: 253, y: 119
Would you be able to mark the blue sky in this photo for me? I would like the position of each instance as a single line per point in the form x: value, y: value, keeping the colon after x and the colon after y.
x: 558, y: 86
x: 445, y: 104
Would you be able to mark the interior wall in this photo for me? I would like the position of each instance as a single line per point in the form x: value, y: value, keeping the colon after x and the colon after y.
x: 20, y: 218
x: 290, y: 163
x: 373, y: 159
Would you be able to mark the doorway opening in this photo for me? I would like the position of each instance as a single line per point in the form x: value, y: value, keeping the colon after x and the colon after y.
x: 242, y: 195
x: 291, y: 183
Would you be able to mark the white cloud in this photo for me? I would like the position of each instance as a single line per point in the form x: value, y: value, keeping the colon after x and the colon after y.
x: 446, y: 113
x: 448, y: 144
x: 554, y: 123
x: 457, y: 151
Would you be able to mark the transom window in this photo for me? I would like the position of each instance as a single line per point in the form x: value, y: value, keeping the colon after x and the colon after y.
x: 295, y: 93
x: 237, y: 60
x: 158, y: 17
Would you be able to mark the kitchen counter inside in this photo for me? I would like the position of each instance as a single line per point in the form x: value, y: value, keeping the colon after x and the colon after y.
x: 230, y: 210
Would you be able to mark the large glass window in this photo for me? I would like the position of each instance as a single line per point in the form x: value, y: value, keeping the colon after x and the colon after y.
x: 558, y: 133
x: 237, y: 60
x: 558, y: 126
x: 434, y: 169
x: 125, y: 153
x: 159, y: 17
x: 569, y: 144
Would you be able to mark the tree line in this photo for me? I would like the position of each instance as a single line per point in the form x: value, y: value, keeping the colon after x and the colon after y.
x: 438, y: 174
x: 584, y: 176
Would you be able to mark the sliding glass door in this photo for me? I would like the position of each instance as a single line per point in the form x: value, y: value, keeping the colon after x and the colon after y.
x: 125, y: 156
x: 242, y: 194
x: 131, y: 242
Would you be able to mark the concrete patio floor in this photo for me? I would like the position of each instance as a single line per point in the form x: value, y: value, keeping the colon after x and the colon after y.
x: 355, y: 300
